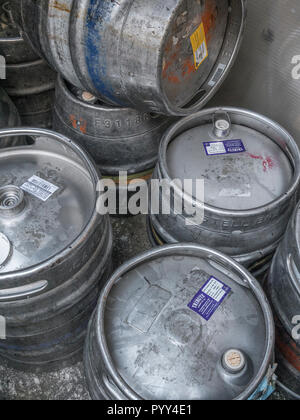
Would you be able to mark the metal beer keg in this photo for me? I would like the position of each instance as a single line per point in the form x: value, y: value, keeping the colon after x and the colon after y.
x: 250, y: 167
x: 181, y: 322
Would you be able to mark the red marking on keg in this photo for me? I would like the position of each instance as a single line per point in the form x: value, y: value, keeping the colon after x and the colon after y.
x: 267, y: 162
x: 79, y: 124
x: 209, y: 298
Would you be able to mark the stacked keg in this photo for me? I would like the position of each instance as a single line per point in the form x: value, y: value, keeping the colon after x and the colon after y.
x: 29, y: 80
x: 120, y: 140
x: 9, y: 117
x: 115, y: 96
x: 251, y: 171
x: 283, y: 288
x: 181, y: 322
x: 182, y: 54
x: 55, y: 249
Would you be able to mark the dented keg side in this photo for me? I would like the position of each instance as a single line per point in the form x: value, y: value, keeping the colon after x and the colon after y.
x: 110, y: 373
x: 232, y: 230
x: 118, y: 139
x: 92, y: 45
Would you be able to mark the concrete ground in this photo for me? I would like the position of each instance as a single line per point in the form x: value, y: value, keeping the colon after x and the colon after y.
x: 69, y: 384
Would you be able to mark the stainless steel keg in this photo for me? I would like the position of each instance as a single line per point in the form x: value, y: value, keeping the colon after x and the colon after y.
x: 283, y: 288
x: 162, y: 56
x: 266, y: 75
x: 9, y: 117
x: 29, y: 80
x: 181, y: 322
x: 250, y: 167
x: 118, y: 139
x: 12, y: 45
x: 55, y: 249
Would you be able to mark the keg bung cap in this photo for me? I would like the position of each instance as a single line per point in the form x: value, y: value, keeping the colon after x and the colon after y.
x: 88, y: 97
x: 234, y: 361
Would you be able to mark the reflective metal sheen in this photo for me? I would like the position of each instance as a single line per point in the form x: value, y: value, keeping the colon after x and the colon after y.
x: 162, y: 56
x: 56, y: 248
x: 145, y: 342
x: 249, y: 192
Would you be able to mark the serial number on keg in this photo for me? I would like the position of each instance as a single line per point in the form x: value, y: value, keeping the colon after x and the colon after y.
x: 153, y: 409
x: 129, y: 122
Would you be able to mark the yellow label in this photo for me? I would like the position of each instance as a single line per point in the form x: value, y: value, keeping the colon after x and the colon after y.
x: 198, y: 41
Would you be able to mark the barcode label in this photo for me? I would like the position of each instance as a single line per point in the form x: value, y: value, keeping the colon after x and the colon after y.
x: 201, y: 54
x: 39, y: 188
x: 217, y: 75
x: 198, y: 41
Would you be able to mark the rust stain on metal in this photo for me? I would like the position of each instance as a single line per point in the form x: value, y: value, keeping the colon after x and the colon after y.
x: 61, y: 6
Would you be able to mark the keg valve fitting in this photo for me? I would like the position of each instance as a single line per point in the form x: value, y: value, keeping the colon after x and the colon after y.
x: 221, y: 124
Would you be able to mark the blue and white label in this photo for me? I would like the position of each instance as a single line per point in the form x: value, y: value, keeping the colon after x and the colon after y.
x: 209, y: 298
x: 225, y: 147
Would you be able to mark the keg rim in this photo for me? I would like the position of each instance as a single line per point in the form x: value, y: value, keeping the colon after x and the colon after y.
x: 292, y: 153
x: 190, y: 249
x: 62, y: 84
x: 184, y: 110
x: 24, y: 274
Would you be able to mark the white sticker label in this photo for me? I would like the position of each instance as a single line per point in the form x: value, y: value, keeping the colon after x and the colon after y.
x: 216, y: 148
x: 217, y: 75
x: 214, y: 289
x: 201, y: 53
x: 39, y: 188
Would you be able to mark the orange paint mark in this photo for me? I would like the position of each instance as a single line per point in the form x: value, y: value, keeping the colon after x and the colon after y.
x: 173, y: 79
x: 61, y: 6
x: 78, y: 124
x: 188, y: 68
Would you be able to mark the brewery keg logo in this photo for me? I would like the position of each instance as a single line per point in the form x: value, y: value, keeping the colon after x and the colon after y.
x: 296, y: 69
x: 2, y: 67
x: 296, y: 329
x: 2, y: 328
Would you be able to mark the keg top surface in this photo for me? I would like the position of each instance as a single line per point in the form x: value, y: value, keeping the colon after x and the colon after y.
x: 194, y: 41
x: 47, y: 198
x: 164, y: 349
x: 242, y: 171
